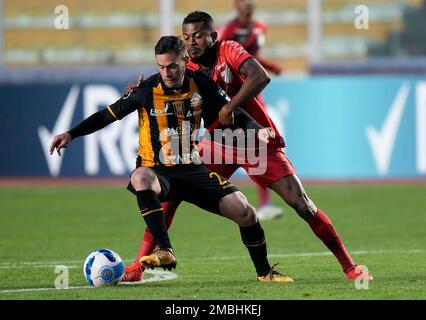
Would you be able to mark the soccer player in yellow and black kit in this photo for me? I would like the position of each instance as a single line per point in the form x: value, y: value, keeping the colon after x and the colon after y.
x: 170, y: 106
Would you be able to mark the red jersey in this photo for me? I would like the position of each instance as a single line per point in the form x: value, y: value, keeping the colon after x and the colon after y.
x: 230, y: 56
x: 252, y: 39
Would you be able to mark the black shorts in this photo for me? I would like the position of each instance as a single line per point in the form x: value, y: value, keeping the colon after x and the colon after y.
x: 192, y: 183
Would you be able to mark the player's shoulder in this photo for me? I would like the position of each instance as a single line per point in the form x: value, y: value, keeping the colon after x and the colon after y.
x: 148, y: 84
x: 232, y: 52
x: 141, y: 92
x: 152, y: 81
x: 230, y: 45
x: 260, y: 24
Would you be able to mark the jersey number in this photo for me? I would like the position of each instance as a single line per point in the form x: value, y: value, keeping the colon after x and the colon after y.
x: 219, y: 178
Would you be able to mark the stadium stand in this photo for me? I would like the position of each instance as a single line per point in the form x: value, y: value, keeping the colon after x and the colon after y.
x: 410, y: 41
x: 123, y: 32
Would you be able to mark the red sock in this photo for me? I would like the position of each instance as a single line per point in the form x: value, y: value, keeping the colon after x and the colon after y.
x: 323, y: 229
x: 148, y: 242
x: 263, y: 194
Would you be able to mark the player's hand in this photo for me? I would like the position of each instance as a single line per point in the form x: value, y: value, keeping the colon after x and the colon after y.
x: 60, y: 141
x: 133, y: 85
x: 265, y: 134
x: 226, y: 115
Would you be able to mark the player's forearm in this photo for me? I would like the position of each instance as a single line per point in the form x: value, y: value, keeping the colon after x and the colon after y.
x: 256, y: 80
x: 95, y: 122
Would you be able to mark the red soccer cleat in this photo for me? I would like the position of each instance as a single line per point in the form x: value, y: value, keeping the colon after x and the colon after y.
x: 133, y: 272
x: 357, y: 273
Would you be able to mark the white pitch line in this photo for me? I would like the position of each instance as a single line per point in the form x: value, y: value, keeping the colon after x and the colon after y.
x: 359, y: 252
x: 38, y: 266
x: 158, y: 275
x: 78, y: 264
x: 42, y: 289
x: 314, y: 254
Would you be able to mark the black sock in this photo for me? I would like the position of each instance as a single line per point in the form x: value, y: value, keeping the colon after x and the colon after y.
x: 254, y: 239
x: 152, y: 213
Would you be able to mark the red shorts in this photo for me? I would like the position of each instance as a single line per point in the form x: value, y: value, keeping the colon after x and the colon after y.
x: 264, y: 166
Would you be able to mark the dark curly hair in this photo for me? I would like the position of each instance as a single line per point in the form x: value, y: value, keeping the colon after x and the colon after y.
x: 200, y: 16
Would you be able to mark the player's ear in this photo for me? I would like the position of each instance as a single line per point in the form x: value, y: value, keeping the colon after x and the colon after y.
x: 214, y: 36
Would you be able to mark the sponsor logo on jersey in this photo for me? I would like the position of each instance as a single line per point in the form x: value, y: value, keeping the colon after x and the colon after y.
x: 166, y: 111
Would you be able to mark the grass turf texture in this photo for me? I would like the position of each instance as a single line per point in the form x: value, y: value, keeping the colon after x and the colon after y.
x: 383, y: 225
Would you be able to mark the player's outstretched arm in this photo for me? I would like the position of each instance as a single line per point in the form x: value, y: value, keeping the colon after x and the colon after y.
x: 256, y: 79
x: 97, y: 121
x: 91, y: 124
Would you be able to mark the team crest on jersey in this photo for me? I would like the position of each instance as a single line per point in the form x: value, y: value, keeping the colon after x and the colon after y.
x: 179, y: 107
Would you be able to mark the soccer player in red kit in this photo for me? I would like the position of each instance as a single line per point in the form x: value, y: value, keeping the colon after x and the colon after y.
x: 243, y: 78
x: 251, y: 34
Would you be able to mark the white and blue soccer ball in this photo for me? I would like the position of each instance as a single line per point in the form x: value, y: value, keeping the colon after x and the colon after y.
x: 103, y: 267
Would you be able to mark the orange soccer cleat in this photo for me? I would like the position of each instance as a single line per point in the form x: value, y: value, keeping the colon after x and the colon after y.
x: 357, y: 272
x: 274, y: 276
x: 160, y: 257
x: 133, y: 272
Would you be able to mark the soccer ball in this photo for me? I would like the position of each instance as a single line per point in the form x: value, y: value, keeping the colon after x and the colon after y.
x: 103, y: 267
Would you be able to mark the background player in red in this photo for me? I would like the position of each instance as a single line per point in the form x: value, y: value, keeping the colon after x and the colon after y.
x: 251, y: 34
x: 243, y: 78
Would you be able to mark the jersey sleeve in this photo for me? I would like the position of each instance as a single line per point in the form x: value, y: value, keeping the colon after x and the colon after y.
x: 234, y: 54
x: 214, y: 97
x: 128, y: 103
x: 242, y: 119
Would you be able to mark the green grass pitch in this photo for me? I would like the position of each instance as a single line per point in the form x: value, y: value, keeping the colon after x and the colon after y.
x: 46, y: 226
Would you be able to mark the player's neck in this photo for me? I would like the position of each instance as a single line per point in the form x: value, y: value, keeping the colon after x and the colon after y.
x: 209, y: 58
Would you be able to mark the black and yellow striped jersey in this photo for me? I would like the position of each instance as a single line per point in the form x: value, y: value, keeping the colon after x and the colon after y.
x: 169, y: 119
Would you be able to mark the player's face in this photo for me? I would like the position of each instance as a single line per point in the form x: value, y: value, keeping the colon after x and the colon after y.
x: 172, y: 69
x: 197, y: 38
x: 245, y: 7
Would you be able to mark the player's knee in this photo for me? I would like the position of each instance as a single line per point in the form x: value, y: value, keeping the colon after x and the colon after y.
x: 241, y: 212
x: 249, y: 216
x: 142, y: 178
